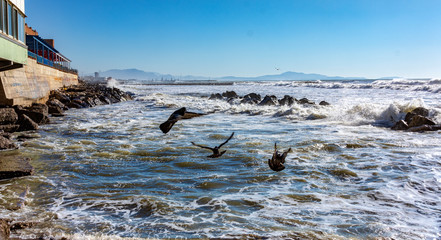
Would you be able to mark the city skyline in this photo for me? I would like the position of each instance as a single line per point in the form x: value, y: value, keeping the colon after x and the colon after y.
x: 216, y: 38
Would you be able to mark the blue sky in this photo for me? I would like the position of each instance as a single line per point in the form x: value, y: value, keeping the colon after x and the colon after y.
x: 358, y: 38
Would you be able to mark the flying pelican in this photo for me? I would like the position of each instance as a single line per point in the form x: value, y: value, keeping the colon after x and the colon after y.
x: 215, y: 150
x: 277, y: 161
x: 176, y: 116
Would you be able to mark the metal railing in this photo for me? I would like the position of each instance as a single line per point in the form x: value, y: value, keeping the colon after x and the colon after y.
x: 50, y: 63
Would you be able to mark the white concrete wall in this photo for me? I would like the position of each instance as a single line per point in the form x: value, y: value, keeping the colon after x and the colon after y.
x: 32, y: 83
x: 20, y: 4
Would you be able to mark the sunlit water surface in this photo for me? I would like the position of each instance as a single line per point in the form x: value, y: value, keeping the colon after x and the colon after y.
x: 108, y: 172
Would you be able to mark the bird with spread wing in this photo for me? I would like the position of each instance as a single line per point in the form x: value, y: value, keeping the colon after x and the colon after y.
x: 215, y: 150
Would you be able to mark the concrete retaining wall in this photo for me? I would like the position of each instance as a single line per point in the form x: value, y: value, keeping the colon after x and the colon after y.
x: 32, y: 83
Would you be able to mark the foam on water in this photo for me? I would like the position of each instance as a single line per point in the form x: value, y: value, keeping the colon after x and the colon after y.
x: 109, y: 173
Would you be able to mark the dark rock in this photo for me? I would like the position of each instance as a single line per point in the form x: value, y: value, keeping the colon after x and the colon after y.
x: 424, y: 128
x: 287, y: 100
x: 408, y: 117
x: 15, y: 166
x: 8, y: 116
x: 37, y: 112
x: 418, y: 120
x: 400, y: 125
x: 6, y: 144
x: 5, y: 134
x: 269, y: 101
x: 56, y: 103
x: 56, y: 111
x: 305, y: 101
x: 230, y: 94
x: 74, y: 104
x: 315, y: 116
x: 4, y: 230
x: 421, y: 111
x: 251, y: 98
x: 22, y: 225
x: 9, y: 128
x: 26, y: 124
x: 324, y: 103
x: 60, y: 96
x: 216, y: 96
x: 105, y: 100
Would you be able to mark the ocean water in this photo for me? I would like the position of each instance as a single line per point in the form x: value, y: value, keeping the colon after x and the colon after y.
x: 109, y: 173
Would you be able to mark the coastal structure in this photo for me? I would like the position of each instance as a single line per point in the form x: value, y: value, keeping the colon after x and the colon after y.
x: 30, y: 66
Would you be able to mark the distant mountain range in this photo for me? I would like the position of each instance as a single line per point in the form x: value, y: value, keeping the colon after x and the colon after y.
x: 126, y: 74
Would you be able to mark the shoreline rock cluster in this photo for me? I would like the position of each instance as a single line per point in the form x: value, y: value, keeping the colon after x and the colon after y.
x: 23, y: 119
x: 268, y: 100
x: 15, y: 119
x: 417, y: 120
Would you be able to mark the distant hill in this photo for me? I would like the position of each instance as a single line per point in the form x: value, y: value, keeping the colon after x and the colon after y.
x: 142, y: 75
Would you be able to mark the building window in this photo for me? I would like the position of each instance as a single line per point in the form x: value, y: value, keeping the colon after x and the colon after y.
x: 21, y: 30
x: 9, y: 14
x: 1, y: 15
x: 5, y: 16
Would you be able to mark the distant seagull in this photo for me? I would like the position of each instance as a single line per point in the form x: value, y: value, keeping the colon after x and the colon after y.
x: 215, y: 150
x: 277, y: 161
x: 176, y: 116
x: 277, y: 69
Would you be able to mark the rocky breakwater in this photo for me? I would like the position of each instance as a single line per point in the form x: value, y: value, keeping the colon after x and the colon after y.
x: 268, y: 100
x: 417, y: 120
x: 18, y: 123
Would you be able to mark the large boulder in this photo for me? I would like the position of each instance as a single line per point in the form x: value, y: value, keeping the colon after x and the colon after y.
x: 26, y: 124
x: 419, y: 120
x: 8, y: 116
x: 60, y: 96
x: 230, y: 94
x: 324, y: 103
x: 400, y: 125
x: 37, y: 112
x: 305, y: 101
x: 4, y: 230
x: 5, y: 143
x: 269, y: 101
x: 287, y: 100
x: 421, y: 111
x: 251, y: 98
x: 425, y: 128
x: 215, y: 96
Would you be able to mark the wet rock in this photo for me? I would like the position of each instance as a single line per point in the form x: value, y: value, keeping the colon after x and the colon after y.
x: 305, y: 101
x: 9, y: 128
x: 230, y: 94
x: 60, y: 96
x: 315, y: 116
x: 8, y: 116
x: 15, y: 166
x: 269, y: 101
x: 400, y: 125
x: 26, y: 124
x: 324, y: 103
x: 251, y: 98
x: 4, y: 230
x: 37, y: 112
x: 421, y: 111
x: 216, y: 96
x: 6, y: 143
x: 418, y: 120
x: 425, y: 128
x: 105, y: 100
x: 287, y: 100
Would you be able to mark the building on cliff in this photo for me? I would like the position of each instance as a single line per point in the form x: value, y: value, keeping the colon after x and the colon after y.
x: 30, y: 66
